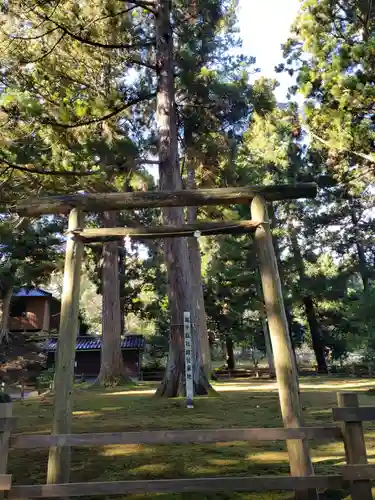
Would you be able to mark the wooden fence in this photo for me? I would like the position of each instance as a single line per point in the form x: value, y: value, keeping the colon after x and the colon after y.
x: 356, y: 475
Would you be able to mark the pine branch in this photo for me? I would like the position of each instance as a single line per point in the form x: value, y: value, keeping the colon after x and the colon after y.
x: 46, y: 54
x: 102, y: 118
x: 93, y: 43
x: 138, y: 62
x: 102, y: 18
x: 29, y: 38
x: 355, y: 153
x: 62, y: 173
x: 48, y: 32
x: 147, y: 5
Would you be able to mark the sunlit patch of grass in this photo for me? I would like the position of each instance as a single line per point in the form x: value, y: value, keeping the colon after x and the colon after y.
x: 130, y: 392
x: 155, y: 469
x: 86, y: 413
x: 117, y: 450
x: 222, y: 462
x: 268, y: 457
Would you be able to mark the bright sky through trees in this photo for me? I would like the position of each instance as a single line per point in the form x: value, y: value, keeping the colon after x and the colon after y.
x: 264, y: 26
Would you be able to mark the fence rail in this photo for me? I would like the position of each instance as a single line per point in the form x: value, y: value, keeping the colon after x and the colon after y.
x: 176, y: 437
x: 356, y: 475
x: 228, y: 484
x: 353, y: 414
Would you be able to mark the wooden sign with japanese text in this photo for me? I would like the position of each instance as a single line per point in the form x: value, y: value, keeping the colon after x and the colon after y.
x: 188, y: 360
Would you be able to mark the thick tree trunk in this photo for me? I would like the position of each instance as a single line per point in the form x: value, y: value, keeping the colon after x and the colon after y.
x: 269, y: 352
x: 46, y: 317
x: 197, y: 286
x: 176, y: 250
x: 289, y: 318
x: 121, y: 268
x: 231, y: 363
x: 266, y: 332
x: 4, y: 332
x: 288, y: 314
x: 362, y: 264
x: 112, y: 368
x: 316, y: 336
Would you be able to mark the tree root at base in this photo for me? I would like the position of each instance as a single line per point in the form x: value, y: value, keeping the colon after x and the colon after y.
x: 112, y: 381
x: 171, y: 386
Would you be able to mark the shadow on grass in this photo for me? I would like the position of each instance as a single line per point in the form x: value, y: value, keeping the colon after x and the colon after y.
x: 121, y: 410
x: 139, y: 462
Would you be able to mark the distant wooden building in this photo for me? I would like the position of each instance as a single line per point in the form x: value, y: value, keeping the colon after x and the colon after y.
x: 87, y: 359
x: 32, y: 310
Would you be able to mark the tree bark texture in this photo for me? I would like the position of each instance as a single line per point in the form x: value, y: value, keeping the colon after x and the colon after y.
x: 122, y: 267
x: 112, y: 368
x: 307, y: 300
x: 266, y: 333
x: 269, y: 352
x: 288, y: 313
x: 176, y: 250
x: 192, y: 215
x: 362, y: 263
x: 46, y: 317
x: 316, y: 335
x: 231, y: 363
x: 196, y: 274
x: 7, y: 299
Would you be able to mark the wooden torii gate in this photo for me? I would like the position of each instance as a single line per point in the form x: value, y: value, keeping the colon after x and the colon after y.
x: 75, y: 205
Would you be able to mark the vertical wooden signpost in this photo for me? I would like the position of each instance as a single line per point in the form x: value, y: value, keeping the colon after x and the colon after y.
x: 188, y: 360
x: 300, y: 462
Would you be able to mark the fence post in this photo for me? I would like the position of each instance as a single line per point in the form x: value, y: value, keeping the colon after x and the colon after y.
x: 355, y: 447
x: 5, y: 415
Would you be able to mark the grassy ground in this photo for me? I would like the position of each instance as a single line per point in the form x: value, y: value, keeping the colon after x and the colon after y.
x: 240, y: 404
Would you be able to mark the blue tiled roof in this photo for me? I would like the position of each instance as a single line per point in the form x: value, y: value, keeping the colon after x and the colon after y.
x: 90, y: 343
x: 31, y: 292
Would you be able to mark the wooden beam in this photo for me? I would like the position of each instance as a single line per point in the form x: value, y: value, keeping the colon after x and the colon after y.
x: 260, y: 483
x: 358, y: 472
x: 354, y: 414
x: 59, y: 458
x: 286, y: 374
x: 100, y: 202
x: 205, y: 228
x: 175, y: 437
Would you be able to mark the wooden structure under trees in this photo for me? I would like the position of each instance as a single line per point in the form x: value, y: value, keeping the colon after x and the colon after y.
x: 33, y: 310
x: 77, y: 204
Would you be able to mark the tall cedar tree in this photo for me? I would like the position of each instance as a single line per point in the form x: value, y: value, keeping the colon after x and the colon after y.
x: 75, y: 111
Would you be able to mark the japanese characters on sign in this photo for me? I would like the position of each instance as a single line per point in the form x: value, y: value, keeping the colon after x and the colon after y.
x: 188, y: 360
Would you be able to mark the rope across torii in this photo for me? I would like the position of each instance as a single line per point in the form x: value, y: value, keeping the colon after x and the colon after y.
x: 257, y: 196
